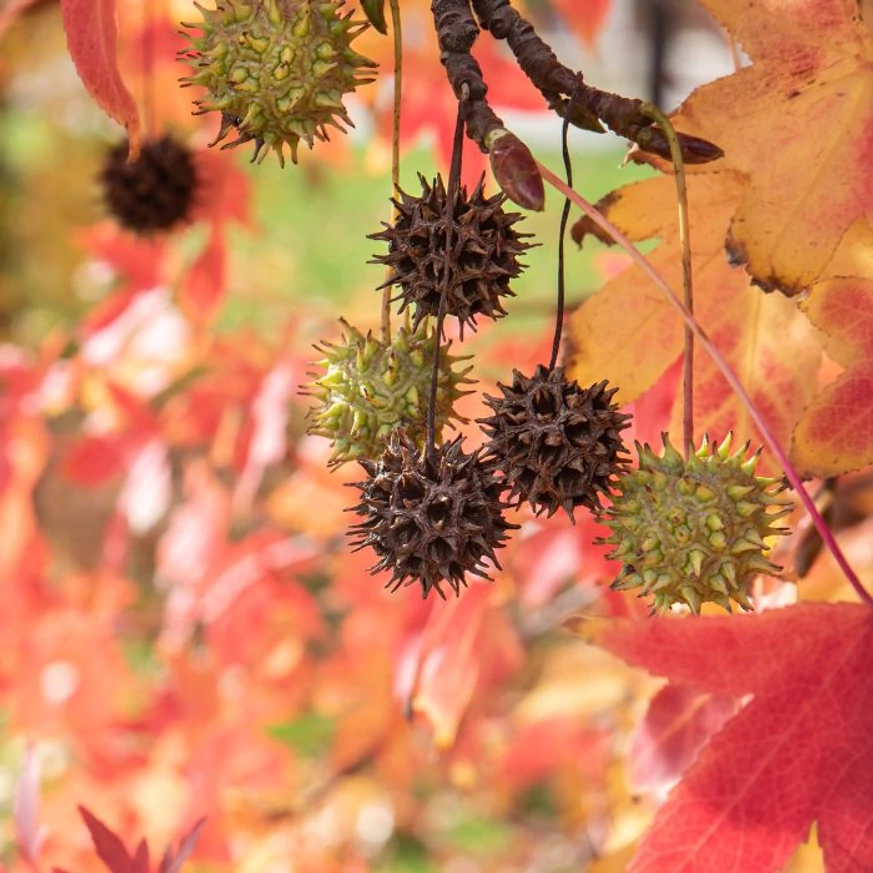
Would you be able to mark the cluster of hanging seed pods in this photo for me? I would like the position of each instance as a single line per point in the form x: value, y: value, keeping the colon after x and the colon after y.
x: 687, y: 530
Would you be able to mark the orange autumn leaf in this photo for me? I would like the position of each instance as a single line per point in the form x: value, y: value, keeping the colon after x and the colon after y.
x: 628, y: 333
x: 92, y: 38
x: 11, y: 11
x: 798, y: 123
x: 835, y: 432
x: 798, y: 752
x: 585, y: 17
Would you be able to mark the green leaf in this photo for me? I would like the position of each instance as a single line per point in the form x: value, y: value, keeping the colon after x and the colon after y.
x: 310, y: 735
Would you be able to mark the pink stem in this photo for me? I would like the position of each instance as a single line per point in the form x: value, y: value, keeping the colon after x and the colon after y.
x: 725, y: 368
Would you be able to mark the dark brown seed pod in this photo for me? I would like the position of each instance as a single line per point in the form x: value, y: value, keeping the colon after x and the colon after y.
x: 485, y: 248
x: 431, y: 518
x: 153, y: 193
x: 556, y: 445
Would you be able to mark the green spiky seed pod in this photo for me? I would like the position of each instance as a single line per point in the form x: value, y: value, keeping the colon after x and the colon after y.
x: 276, y: 70
x: 694, y: 531
x: 370, y: 387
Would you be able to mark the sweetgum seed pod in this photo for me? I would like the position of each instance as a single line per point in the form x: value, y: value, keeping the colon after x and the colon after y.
x: 276, y: 70
x: 369, y: 387
x: 695, y: 531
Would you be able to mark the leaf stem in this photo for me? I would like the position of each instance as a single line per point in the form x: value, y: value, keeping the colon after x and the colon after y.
x: 669, y: 132
x: 736, y: 386
x: 562, y: 232
x: 452, y: 190
x: 397, y: 36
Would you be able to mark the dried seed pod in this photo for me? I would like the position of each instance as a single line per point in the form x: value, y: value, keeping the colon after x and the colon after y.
x: 484, y: 253
x: 430, y: 518
x: 695, y: 531
x: 370, y: 387
x: 153, y: 193
x: 277, y: 70
x: 556, y: 445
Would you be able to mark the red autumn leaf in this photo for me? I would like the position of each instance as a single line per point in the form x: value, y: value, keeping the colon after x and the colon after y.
x: 547, y: 747
x: 112, y: 853
x: 92, y: 38
x: 109, y: 847
x: 678, y: 723
x: 459, y: 646
x: 171, y: 863
x: 95, y: 458
x: 204, y: 287
x: 224, y: 190
x: 140, y: 861
x: 835, y: 432
x: 799, y: 752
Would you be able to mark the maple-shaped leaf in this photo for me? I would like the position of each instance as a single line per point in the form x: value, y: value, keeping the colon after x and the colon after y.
x: 629, y: 334
x: 800, y: 751
x: 92, y: 37
x: 111, y: 851
x: 809, y: 183
x: 835, y: 432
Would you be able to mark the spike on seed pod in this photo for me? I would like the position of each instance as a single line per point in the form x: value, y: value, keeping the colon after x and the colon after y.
x: 431, y: 518
x: 369, y: 387
x: 153, y: 193
x: 276, y: 71
x: 485, y: 249
x: 694, y: 531
x: 556, y: 445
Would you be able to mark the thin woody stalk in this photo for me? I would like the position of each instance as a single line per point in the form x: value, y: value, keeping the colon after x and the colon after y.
x: 567, y: 94
x: 397, y: 36
x: 687, y: 278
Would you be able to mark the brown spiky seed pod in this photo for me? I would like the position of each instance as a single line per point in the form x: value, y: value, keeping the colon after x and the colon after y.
x: 557, y: 445
x: 484, y: 253
x: 431, y: 518
x: 154, y: 192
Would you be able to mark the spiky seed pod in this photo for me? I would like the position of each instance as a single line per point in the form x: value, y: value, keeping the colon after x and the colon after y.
x: 556, y: 445
x: 695, y: 531
x: 484, y: 244
x: 430, y: 519
x: 369, y: 387
x: 276, y: 70
x: 154, y: 192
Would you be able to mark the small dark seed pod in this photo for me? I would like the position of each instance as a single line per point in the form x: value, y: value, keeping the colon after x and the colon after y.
x: 154, y: 192
x: 557, y: 445
x: 484, y: 253
x: 431, y: 518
